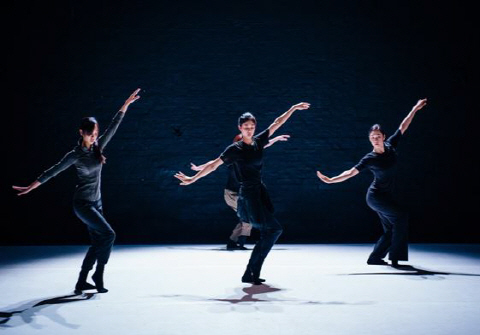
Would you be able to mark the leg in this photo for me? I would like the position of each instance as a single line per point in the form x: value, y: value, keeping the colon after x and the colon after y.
x: 87, y: 265
x: 102, y: 237
x: 231, y: 198
x: 383, y: 244
x: 268, y: 236
x: 399, y: 248
x: 397, y: 219
x: 237, y: 231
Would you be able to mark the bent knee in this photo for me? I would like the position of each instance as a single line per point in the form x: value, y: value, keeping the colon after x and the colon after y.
x: 109, y: 235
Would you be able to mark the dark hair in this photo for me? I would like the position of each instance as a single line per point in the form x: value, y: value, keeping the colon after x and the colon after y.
x: 87, y: 126
x: 246, y: 117
x: 376, y: 127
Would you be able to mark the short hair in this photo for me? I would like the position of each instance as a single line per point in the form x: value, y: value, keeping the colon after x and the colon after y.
x: 378, y: 127
x: 246, y: 117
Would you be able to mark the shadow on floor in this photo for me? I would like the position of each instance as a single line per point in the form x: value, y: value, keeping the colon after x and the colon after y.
x: 247, y: 295
x: 250, y: 292
x: 409, y: 270
x: 222, y: 248
x: 27, y: 311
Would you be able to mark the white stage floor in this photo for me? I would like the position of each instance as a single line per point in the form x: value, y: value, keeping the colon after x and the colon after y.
x: 196, y: 289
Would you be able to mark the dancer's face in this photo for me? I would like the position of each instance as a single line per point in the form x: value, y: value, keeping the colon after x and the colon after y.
x: 247, y: 129
x: 89, y: 139
x: 376, y: 138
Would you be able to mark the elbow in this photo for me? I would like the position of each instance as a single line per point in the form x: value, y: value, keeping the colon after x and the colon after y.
x: 214, y: 165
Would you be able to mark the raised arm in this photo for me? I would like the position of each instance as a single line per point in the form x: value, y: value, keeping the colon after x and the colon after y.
x: 279, y: 121
x: 208, y: 168
x: 406, y: 122
x: 338, y: 179
x: 117, y: 119
x: 68, y: 160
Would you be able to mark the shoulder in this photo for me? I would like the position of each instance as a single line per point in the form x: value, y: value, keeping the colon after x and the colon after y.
x: 237, y: 146
x: 231, y: 153
x: 77, y: 151
x: 369, y: 156
x: 232, y: 149
x: 262, y: 137
x: 365, y: 161
x: 263, y: 134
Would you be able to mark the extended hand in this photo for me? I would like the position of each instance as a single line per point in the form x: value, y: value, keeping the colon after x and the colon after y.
x: 302, y: 105
x: 185, y: 180
x: 282, y: 138
x: 323, y: 178
x: 195, y: 167
x: 420, y: 104
x: 23, y: 189
x: 133, y: 97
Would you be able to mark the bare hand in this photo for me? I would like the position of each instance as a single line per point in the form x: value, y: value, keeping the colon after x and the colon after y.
x: 282, y: 138
x: 195, y: 167
x: 420, y: 104
x: 23, y: 189
x: 302, y: 105
x: 185, y: 180
x: 323, y: 178
x: 133, y: 97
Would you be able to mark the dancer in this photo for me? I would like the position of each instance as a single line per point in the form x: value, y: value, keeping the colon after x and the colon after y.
x: 254, y: 205
x: 88, y: 159
x: 242, y: 229
x: 382, y: 162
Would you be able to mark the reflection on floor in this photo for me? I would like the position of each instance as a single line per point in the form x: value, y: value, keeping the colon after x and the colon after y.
x: 196, y: 289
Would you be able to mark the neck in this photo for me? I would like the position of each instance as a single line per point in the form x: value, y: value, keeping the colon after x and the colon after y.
x: 379, y: 149
x: 86, y: 144
x: 247, y: 140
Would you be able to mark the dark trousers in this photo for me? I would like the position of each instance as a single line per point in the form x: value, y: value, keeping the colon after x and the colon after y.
x: 101, y: 233
x: 270, y: 231
x: 394, y: 219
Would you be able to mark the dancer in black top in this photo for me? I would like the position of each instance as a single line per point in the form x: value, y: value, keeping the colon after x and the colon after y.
x: 87, y: 157
x: 254, y: 205
x: 382, y: 162
x: 242, y: 230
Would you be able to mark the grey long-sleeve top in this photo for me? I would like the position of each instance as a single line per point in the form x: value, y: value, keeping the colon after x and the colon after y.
x: 88, y: 167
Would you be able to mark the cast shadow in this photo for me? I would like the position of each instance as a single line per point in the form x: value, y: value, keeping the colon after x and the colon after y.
x: 28, y: 311
x: 410, y: 270
x: 250, y: 292
x: 249, y: 248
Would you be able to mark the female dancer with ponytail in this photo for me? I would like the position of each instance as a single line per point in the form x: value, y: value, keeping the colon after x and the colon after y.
x: 254, y: 205
x: 88, y: 160
x: 382, y: 162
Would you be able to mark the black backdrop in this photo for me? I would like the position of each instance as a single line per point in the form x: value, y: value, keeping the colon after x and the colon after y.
x: 202, y: 63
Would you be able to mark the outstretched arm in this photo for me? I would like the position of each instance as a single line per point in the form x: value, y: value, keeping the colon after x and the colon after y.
x: 117, y: 119
x: 279, y: 121
x: 68, y: 160
x: 406, y: 122
x: 199, y: 167
x: 208, y: 168
x: 276, y: 139
x: 338, y: 179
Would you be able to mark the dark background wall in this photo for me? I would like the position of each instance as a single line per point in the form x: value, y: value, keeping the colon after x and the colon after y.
x: 202, y: 63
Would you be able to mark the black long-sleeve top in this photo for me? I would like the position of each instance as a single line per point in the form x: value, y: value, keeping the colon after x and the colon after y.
x: 89, y: 167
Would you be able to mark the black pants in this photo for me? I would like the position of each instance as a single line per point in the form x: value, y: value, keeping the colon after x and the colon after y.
x: 270, y: 231
x: 102, y: 235
x: 394, y: 219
